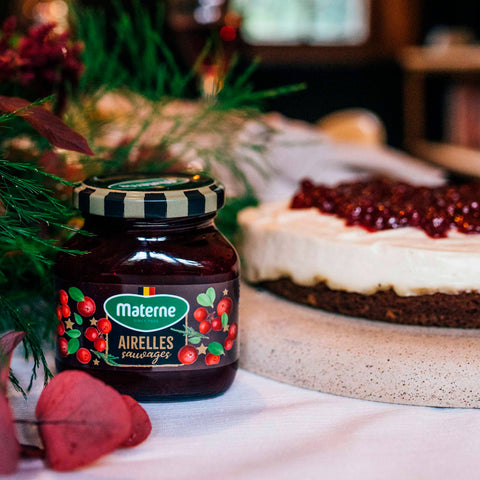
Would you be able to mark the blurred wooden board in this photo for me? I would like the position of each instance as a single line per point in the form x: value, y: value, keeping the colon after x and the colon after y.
x: 358, y: 358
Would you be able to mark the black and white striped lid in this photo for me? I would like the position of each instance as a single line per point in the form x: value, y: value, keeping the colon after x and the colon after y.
x: 170, y: 195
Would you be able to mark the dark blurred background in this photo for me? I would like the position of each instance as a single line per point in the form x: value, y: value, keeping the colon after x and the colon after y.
x: 349, y: 58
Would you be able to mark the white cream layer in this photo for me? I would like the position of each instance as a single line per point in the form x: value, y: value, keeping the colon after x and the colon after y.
x: 310, y: 247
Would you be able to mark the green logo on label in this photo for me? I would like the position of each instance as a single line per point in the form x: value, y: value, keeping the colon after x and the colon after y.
x: 146, y: 313
x: 149, y: 183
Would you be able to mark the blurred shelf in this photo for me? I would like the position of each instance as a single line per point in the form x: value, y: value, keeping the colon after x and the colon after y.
x: 461, y: 63
x: 459, y: 159
x: 442, y: 59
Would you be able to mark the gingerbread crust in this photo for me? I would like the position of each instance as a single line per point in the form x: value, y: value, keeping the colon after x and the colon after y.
x: 460, y: 310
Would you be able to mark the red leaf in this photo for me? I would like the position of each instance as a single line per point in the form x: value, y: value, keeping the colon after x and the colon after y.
x: 141, y: 425
x: 80, y: 419
x: 8, y: 341
x: 9, y: 446
x: 47, y: 124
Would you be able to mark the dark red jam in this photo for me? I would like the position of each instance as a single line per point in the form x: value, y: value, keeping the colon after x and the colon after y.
x: 381, y: 203
x: 152, y: 307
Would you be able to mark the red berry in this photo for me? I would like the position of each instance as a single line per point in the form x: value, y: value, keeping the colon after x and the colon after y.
x: 65, y: 310
x: 91, y: 333
x: 83, y: 355
x: 104, y: 325
x: 63, y: 346
x: 228, y: 344
x: 187, y: 354
x: 100, y: 344
x: 211, y: 359
x: 217, y: 324
x: 61, y: 328
x: 200, y: 314
x: 233, y: 331
x: 204, y: 327
x: 59, y: 313
x: 86, y: 307
x: 63, y: 297
x: 225, y: 305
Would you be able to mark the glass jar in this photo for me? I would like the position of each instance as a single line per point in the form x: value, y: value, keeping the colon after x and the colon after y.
x: 151, y: 307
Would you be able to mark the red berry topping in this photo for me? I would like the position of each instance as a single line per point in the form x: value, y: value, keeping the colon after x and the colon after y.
x: 91, y: 333
x: 381, y: 204
x: 217, y: 324
x: 61, y: 328
x: 225, y: 305
x: 83, y: 355
x: 200, y: 314
x: 65, y: 311
x: 86, y: 308
x: 100, y: 344
x: 187, y: 354
x: 204, y: 327
x: 228, y: 344
x: 59, y: 313
x: 233, y: 331
x: 63, y: 297
x: 211, y: 359
x: 104, y: 325
x: 63, y: 346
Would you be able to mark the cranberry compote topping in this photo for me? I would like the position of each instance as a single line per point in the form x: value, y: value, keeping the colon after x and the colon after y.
x: 381, y: 203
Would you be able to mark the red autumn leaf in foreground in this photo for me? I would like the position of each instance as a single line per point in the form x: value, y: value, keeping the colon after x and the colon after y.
x: 8, y: 342
x: 141, y: 425
x: 9, y: 447
x: 46, y: 123
x: 80, y: 419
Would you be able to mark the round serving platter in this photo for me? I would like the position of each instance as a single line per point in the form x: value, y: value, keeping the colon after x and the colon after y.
x: 358, y: 358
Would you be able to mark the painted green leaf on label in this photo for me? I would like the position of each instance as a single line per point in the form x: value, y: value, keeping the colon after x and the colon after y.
x: 78, y: 318
x: 73, y: 345
x: 76, y: 294
x: 195, y: 340
x: 204, y: 300
x: 215, y: 348
x: 224, y: 319
x: 73, y: 333
x: 211, y: 294
x: 146, y: 313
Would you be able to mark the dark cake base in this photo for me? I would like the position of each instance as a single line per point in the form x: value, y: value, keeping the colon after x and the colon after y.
x: 460, y: 310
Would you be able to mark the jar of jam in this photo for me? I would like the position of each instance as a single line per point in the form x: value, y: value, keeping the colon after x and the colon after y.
x: 151, y: 307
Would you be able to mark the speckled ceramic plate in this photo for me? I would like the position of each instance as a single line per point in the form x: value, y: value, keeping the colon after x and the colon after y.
x: 358, y: 358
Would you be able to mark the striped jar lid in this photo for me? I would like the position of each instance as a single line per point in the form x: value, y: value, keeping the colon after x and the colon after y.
x: 149, y: 195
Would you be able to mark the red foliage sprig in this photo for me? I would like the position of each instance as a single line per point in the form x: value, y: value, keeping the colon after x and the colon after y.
x: 42, y: 60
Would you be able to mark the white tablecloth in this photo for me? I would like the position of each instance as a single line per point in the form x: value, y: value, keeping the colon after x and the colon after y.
x: 262, y: 429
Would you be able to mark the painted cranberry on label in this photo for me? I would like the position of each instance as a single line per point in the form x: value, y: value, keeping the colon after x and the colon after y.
x: 91, y: 333
x: 187, y: 354
x: 228, y: 344
x: 65, y: 311
x: 211, y: 359
x: 63, y: 297
x: 83, y: 355
x: 217, y: 324
x: 59, y: 313
x: 61, y: 328
x: 63, y: 346
x: 233, y: 331
x: 100, y: 344
x: 86, y: 307
x: 200, y: 314
x: 225, y: 305
x: 104, y: 325
x: 204, y: 327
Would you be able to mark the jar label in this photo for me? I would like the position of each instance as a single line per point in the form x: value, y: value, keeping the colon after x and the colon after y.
x: 164, y: 326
